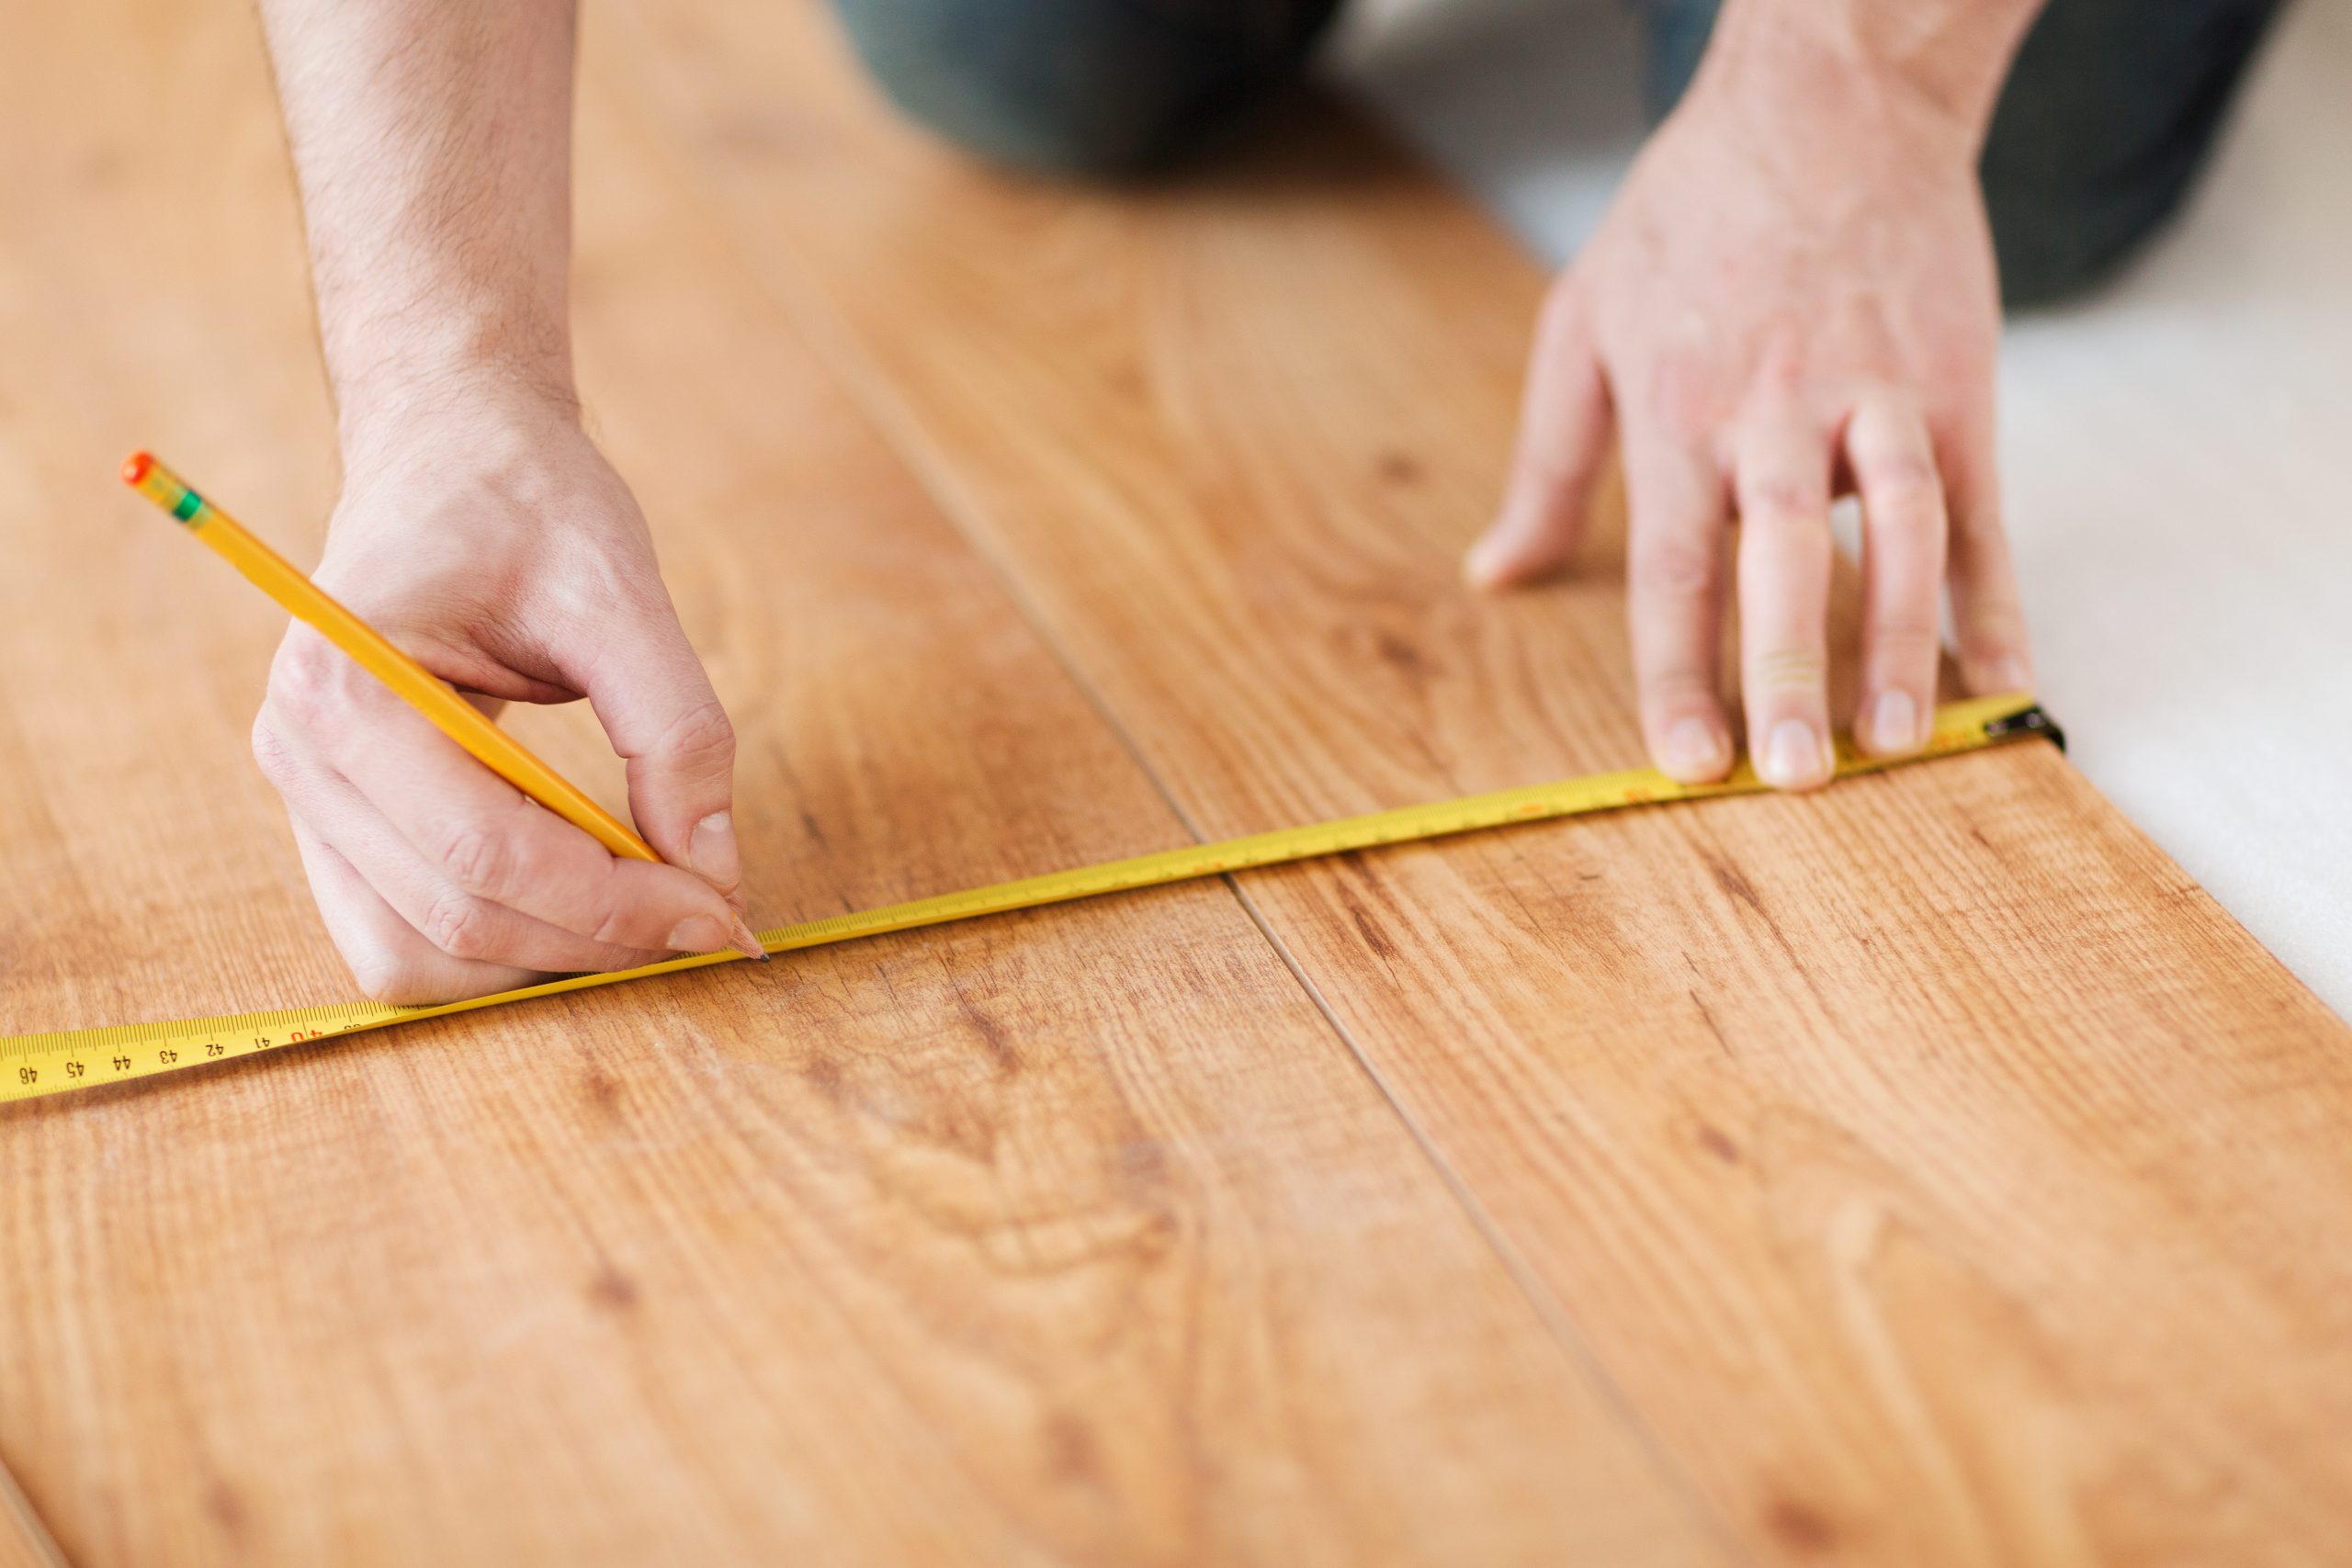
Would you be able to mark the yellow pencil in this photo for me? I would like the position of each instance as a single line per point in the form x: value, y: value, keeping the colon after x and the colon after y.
x: 411, y: 681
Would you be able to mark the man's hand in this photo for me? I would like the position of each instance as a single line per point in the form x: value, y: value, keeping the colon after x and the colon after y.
x: 478, y: 527
x: 490, y: 540
x: 1793, y: 297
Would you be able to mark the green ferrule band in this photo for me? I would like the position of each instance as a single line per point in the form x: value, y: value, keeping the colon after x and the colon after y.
x: 188, y: 505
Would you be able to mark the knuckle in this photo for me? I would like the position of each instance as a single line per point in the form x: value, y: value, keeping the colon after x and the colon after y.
x: 1907, y: 645
x: 1677, y: 688
x: 1885, y: 392
x: 1780, y: 499
x: 1997, y: 635
x: 1552, y: 465
x: 479, y: 860
x: 702, y: 738
x: 1904, y: 484
x: 458, y: 924
x: 1683, y: 397
x: 1961, y: 360
x: 272, y: 754
x: 1787, y: 669
x: 1783, y: 376
x: 1978, y: 537
x: 613, y: 929
x: 1671, y: 568
x: 304, y: 683
x: 589, y: 598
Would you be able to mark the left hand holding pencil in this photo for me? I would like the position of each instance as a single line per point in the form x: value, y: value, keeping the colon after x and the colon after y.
x: 493, y: 542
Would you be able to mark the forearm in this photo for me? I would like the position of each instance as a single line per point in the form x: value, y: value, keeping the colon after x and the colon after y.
x: 432, y: 139
x: 1926, y: 60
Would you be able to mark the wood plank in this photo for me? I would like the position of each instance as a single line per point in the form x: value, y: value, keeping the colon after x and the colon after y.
x: 1933, y: 1166
x: 1074, y: 1236
x: 24, y: 1542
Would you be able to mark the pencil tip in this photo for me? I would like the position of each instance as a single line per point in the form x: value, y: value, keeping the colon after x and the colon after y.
x: 747, y: 942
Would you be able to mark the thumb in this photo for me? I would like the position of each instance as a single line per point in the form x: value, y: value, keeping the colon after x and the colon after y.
x: 651, y: 694
x: 1565, y: 426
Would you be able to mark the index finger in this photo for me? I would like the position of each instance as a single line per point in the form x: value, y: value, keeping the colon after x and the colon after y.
x: 484, y: 834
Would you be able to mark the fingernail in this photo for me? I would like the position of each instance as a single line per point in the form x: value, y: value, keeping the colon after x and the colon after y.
x: 1895, y: 722
x: 711, y: 852
x: 746, y: 941
x: 699, y: 933
x: 2010, y: 675
x: 1694, y: 749
x: 1793, y: 756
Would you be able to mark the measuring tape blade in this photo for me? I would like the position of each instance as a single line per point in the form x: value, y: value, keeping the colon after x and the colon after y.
x: 36, y: 1065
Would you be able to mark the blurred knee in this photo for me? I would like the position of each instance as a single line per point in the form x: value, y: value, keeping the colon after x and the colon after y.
x: 2111, y: 111
x: 2054, y: 244
x: 1085, y: 87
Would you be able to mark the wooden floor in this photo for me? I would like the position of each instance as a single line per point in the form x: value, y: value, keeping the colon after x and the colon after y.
x: 1924, y: 1173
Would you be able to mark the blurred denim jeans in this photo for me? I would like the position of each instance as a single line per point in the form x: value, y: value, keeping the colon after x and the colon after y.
x: 2106, y: 116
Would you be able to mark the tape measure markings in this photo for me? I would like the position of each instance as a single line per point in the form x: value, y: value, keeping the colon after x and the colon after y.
x: 32, y: 1066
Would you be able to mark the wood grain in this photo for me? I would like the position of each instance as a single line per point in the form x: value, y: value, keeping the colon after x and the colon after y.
x: 1935, y: 1171
x: 1075, y: 1237
x: 24, y: 1541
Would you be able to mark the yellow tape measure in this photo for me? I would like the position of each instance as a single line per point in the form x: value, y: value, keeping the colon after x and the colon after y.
x: 36, y: 1065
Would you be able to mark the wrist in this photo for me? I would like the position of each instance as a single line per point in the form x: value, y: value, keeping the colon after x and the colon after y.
x: 1858, y: 76
x: 479, y: 416
x: 407, y: 332
x: 419, y: 394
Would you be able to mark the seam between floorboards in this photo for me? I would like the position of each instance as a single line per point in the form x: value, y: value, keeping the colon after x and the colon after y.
x: 836, y: 345
x: 15, y: 1505
x: 1549, y: 1309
